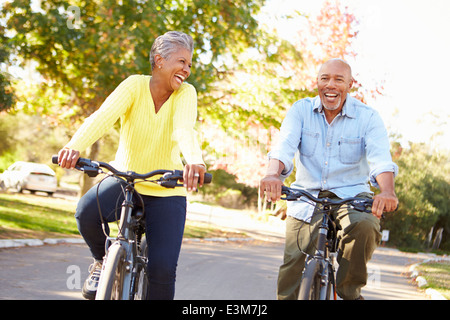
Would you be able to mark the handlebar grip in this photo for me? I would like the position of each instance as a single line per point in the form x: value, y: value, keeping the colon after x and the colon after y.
x: 80, y: 161
x: 208, y: 178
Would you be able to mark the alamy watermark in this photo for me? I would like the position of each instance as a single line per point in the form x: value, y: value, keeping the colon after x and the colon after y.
x: 73, y: 17
x: 374, y: 277
x: 73, y: 281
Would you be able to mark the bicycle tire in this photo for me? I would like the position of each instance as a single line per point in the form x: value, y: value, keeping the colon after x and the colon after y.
x: 310, y: 284
x: 142, y: 278
x: 111, y: 284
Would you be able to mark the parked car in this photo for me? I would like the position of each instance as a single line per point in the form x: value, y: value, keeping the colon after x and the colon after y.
x: 29, y: 176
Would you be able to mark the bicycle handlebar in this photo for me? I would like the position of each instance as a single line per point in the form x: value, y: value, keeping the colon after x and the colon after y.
x: 169, y: 178
x: 360, y: 204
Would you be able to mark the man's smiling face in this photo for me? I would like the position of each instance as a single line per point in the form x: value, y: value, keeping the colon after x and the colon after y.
x: 334, y: 82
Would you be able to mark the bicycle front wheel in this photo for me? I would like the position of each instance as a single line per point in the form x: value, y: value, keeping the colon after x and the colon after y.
x: 311, y: 287
x: 111, y: 282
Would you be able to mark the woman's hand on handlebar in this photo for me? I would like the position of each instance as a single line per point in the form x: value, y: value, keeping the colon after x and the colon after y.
x: 67, y: 158
x: 193, y: 174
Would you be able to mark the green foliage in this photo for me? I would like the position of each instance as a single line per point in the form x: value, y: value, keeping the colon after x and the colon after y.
x: 7, y: 97
x: 7, y: 159
x: 89, y: 54
x: 226, y: 191
x: 7, y: 126
x: 28, y: 138
x: 423, y: 188
x: 84, y: 49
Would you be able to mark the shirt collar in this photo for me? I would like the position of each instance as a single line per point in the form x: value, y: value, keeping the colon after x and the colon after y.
x: 348, y: 109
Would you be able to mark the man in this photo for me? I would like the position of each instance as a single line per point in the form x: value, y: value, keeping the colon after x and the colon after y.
x: 339, y: 145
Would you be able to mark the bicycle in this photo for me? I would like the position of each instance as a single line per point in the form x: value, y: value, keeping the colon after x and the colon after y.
x: 124, y: 269
x: 318, y: 279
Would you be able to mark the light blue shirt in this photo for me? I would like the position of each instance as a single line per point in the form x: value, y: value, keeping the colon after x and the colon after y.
x: 341, y: 157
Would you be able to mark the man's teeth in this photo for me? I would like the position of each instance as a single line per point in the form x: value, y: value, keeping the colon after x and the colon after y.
x: 331, y: 95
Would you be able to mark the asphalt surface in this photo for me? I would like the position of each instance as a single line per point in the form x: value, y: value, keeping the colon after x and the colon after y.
x: 208, y: 270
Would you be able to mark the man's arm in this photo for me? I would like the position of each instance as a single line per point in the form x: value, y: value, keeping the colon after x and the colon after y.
x: 271, y: 183
x: 386, y: 200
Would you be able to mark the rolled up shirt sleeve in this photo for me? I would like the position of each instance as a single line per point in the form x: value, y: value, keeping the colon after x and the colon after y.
x: 289, y: 140
x: 378, y: 150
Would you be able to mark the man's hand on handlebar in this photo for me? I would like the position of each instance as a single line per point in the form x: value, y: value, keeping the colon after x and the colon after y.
x: 384, y: 202
x: 271, y: 185
x: 67, y: 158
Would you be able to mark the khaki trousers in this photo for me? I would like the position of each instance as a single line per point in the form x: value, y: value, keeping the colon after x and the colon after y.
x: 359, y: 237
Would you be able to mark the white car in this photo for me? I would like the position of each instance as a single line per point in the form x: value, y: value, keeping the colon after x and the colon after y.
x: 29, y: 176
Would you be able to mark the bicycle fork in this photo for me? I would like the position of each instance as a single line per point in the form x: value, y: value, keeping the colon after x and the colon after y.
x: 326, y: 263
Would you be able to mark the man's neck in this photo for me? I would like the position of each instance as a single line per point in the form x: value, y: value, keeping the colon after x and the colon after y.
x: 331, y: 114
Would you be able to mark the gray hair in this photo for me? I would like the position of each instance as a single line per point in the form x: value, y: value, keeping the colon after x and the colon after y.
x: 168, y: 43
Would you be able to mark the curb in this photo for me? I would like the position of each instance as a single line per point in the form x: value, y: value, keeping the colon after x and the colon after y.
x: 187, y: 240
x: 422, y: 282
x: 13, y: 243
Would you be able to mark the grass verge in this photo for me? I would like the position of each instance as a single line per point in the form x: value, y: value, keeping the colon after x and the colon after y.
x: 437, y: 274
x: 24, y: 216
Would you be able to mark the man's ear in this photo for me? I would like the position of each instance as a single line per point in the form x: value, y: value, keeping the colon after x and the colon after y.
x: 350, y: 85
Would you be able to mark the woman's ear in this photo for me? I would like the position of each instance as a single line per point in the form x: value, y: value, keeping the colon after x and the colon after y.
x: 159, y: 61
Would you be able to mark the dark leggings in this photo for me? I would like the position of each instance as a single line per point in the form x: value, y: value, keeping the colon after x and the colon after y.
x: 165, y: 218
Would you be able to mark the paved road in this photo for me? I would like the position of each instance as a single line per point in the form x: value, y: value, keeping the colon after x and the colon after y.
x: 249, y: 271
x: 208, y: 270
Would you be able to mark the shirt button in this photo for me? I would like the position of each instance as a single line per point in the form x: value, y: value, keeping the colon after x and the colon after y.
x: 328, y: 144
x: 326, y: 163
x: 324, y: 181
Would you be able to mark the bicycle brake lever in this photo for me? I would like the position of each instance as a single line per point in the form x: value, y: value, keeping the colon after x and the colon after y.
x: 290, y: 197
x: 168, y: 183
x: 92, y: 172
x: 362, y: 207
x: 170, y: 179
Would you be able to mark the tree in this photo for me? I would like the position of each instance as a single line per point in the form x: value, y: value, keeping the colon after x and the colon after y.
x: 84, y: 49
x: 422, y: 187
x: 263, y: 84
x: 7, y: 98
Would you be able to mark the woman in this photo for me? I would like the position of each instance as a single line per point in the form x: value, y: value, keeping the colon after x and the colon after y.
x: 157, y: 115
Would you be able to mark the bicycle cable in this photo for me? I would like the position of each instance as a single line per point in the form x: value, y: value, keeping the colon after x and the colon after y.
x: 319, y: 210
x: 103, y: 223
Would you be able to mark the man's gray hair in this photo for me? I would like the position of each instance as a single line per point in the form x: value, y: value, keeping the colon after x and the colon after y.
x: 168, y: 43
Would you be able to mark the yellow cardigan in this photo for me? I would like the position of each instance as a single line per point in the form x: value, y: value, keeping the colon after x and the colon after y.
x: 148, y: 140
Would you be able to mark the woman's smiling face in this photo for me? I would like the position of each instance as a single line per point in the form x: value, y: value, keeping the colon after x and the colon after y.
x: 176, y: 68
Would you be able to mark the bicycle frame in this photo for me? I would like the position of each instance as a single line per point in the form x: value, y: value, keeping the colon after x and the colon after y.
x: 319, y: 272
x: 126, y: 238
x: 325, y: 255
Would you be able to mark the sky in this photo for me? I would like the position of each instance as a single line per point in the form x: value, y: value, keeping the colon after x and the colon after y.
x: 405, y: 44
